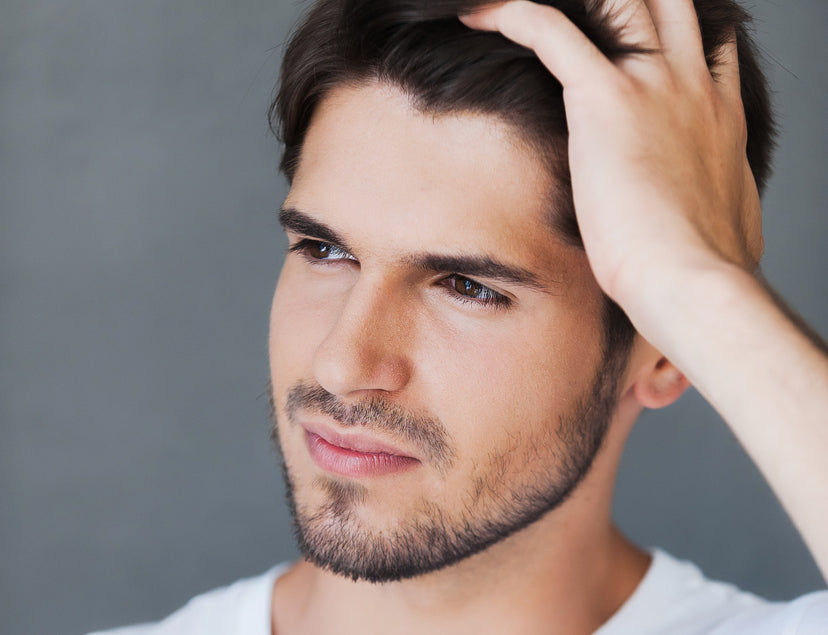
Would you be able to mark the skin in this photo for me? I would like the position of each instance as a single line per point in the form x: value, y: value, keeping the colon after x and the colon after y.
x: 671, y: 225
x: 395, y: 183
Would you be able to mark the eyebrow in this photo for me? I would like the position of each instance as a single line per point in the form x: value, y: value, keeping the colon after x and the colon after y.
x: 478, y: 267
x: 472, y: 266
x: 300, y: 223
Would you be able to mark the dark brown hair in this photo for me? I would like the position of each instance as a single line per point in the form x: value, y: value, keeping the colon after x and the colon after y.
x: 445, y: 67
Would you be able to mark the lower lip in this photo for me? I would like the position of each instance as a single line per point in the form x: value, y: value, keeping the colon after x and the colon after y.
x: 345, y: 462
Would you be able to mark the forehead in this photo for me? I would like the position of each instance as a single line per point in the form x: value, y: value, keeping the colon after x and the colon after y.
x: 372, y: 162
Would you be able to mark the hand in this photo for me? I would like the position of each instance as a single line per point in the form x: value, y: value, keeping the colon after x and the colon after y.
x: 660, y: 176
x: 670, y: 218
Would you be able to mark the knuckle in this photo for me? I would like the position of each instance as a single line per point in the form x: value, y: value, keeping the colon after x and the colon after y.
x: 627, y: 87
x: 704, y: 88
x: 544, y: 18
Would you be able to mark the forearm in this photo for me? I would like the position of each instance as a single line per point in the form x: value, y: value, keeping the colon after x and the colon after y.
x: 765, y: 376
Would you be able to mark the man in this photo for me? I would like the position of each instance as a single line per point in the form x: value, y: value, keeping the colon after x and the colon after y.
x: 452, y: 376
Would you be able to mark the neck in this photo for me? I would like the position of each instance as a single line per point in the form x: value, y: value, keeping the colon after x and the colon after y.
x: 571, y: 574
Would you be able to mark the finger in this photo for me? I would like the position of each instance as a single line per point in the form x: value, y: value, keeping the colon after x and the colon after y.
x: 726, y: 73
x: 678, y: 31
x: 633, y: 16
x: 562, y: 47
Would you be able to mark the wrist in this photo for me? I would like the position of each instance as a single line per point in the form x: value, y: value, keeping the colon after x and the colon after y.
x: 663, y: 300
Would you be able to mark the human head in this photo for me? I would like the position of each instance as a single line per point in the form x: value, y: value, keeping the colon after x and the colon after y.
x: 421, y: 47
x: 333, y: 90
x: 497, y: 401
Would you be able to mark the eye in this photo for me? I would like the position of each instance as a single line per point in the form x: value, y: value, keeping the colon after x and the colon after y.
x: 467, y: 290
x: 315, y: 250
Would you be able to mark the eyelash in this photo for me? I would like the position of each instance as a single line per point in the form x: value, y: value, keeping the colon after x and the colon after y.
x: 492, y: 298
x: 304, y: 246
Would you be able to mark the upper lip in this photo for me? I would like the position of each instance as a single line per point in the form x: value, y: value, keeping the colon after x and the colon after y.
x: 356, y: 441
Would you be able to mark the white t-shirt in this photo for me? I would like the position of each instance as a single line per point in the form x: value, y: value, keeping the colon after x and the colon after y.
x: 674, y: 598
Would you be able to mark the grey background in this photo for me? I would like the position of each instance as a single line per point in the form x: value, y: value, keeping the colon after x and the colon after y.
x: 138, y: 251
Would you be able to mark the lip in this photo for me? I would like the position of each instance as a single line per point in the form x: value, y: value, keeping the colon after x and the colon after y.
x: 354, y: 455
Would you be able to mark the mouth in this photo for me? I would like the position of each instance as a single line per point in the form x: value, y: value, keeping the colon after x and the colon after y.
x: 354, y: 455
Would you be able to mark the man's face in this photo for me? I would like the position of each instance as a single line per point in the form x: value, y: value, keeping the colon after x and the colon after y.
x: 435, y: 350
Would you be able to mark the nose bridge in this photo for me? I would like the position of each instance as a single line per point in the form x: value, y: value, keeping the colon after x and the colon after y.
x: 366, y: 346
x: 375, y: 310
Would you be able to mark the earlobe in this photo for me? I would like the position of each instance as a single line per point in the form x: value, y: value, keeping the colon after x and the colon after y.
x: 661, y: 385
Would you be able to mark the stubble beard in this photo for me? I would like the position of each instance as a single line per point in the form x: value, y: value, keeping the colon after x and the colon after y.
x: 553, y: 463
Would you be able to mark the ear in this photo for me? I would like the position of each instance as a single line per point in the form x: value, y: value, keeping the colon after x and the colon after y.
x: 659, y: 383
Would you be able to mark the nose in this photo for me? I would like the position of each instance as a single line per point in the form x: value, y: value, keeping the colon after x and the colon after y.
x: 365, y: 349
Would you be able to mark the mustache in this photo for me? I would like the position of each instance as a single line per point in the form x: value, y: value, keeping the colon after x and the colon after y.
x: 427, y: 434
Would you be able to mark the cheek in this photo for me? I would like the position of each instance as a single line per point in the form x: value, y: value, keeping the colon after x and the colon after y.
x: 517, y: 378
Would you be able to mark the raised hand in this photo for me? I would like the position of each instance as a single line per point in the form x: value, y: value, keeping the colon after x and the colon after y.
x: 670, y: 218
x: 656, y: 144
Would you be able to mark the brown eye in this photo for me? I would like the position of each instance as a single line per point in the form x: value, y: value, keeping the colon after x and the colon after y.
x: 468, y: 288
x: 469, y: 291
x: 314, y: 250
x: 319, y: 250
